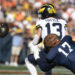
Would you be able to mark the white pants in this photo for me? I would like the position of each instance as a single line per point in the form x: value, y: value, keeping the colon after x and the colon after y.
x: 30, y: 67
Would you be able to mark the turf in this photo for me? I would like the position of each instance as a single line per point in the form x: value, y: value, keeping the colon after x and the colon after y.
x: 22, y: 68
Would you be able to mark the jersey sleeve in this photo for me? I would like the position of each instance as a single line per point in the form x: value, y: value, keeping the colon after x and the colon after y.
x: 45, y: 66
x: 38, y: 24
x: 52, y: 54
x: 43, y: 63
x: 67, y: 39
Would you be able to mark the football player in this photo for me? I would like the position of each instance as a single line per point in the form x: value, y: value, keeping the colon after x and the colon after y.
x: 49, y: 23
x: 59, y: 54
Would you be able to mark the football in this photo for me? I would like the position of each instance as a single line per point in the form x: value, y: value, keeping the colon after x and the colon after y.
x: 51, y: 40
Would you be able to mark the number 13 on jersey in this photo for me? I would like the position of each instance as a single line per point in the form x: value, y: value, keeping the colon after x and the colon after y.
x: 54, y: 28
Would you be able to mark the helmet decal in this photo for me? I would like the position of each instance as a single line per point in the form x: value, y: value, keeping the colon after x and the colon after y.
x: 47, y: 10
x: 42, y: 10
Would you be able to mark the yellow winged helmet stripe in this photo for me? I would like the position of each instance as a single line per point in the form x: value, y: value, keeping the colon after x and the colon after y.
x: 41, y: 10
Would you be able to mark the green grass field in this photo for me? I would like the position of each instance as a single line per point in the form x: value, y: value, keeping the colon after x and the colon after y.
x: 22, y: 70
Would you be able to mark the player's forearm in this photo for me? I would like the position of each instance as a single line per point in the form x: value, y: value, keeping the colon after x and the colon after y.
x: 42, y: 62
x: 37, y: 37
x: 44, y: 66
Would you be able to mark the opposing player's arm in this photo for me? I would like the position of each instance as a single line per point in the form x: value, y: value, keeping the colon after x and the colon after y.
x: 42, y: 61
x: 51, y: 55
x: 44, y: 65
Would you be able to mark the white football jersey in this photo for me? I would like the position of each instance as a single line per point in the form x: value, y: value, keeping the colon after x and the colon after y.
x: 52, y: 25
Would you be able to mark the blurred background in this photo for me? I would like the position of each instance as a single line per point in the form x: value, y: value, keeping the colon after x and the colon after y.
x: 21, y: 16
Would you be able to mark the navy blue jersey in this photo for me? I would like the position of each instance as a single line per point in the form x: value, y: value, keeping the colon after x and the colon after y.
x: 63, y: 54
x: 41, y: 62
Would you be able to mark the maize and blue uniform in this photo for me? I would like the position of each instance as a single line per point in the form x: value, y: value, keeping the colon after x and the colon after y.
x: 51, y: 25
x: 62, y: 55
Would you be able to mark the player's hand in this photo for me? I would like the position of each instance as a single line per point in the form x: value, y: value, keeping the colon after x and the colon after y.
x: 33, y: 47
x: 35, y: 50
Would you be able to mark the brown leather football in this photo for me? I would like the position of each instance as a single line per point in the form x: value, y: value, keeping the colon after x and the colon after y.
x: 51, y: 40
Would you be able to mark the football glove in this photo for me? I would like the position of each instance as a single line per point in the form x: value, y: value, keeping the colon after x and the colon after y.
x: 33, y: 47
